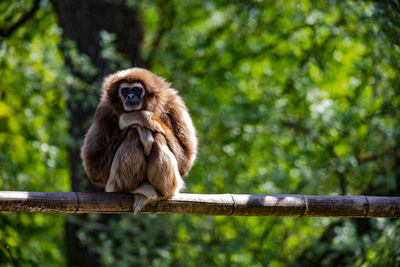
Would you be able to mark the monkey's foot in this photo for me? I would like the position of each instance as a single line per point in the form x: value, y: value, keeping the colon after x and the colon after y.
x: 140, y: 202
x: 111, y: 186
x: 143, y: 194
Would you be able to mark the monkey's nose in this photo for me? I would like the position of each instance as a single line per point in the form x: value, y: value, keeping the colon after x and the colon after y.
x: 132, y: 100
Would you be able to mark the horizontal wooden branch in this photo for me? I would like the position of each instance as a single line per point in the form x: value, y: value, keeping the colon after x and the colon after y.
x: 205, y: 204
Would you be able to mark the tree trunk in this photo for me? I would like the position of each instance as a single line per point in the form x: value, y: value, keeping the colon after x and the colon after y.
x: 82, y: 22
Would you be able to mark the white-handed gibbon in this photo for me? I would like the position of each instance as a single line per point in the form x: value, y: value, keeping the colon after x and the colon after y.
x: 142, y: 140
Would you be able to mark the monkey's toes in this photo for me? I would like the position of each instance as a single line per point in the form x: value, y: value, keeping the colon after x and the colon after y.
x: 139, y: 203
x: 110, y: 186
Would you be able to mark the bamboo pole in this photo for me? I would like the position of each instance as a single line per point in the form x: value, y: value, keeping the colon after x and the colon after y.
x: 205, y: 204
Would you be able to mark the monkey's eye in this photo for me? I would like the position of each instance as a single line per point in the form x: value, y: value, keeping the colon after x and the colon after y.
x: 137, y: 90
x: 124, y: 91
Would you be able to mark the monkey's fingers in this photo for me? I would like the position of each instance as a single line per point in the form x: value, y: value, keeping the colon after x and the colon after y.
x: 134, y: 126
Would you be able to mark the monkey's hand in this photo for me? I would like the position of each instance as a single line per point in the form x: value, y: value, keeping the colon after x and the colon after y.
x: 146, y: 137
x: 138, y: 120
x: 128, y: 119
x: 142, y: 118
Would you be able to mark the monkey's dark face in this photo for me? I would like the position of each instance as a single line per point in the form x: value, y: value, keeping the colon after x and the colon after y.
x: 131, y: 95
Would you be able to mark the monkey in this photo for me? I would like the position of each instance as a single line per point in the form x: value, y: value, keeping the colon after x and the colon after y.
x: 142, y: 140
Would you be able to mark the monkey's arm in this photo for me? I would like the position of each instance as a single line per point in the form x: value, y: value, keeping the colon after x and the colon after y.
x: 142, y: 118
x: 184, y: 131
x: 146, y: 138
x: 180, y: 132
x: 147, y: 122
x: 101, y: 143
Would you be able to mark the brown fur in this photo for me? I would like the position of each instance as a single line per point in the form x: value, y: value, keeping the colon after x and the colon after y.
x: 154, y: 146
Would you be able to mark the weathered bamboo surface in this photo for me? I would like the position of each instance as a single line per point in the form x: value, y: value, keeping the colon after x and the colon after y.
x: 205, y: 204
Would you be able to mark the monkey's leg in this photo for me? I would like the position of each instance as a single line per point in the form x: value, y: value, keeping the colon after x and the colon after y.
x: 144, y: 193
x: 128, y: 169
x: 162, y: 169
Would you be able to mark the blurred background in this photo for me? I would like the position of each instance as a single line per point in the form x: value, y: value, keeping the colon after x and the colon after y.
x: 287, y: 97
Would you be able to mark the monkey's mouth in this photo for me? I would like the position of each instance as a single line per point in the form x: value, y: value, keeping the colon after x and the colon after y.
x: 132, y: 102
x: 132, y: 105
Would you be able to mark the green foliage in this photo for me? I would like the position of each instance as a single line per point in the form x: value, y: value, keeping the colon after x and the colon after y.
x: 301, y: 97
x: 33, y: 136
